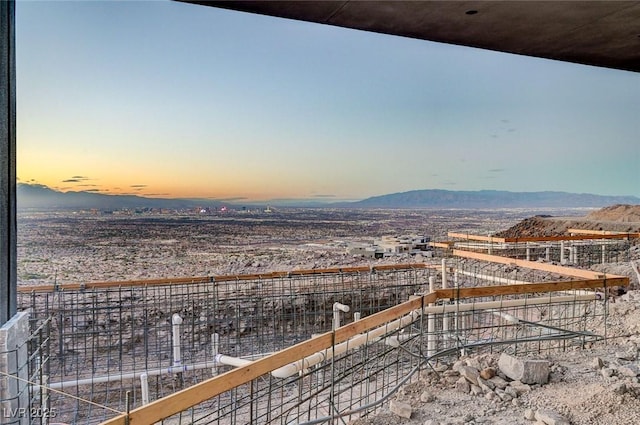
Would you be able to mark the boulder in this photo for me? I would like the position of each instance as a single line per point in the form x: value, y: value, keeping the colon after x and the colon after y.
x: 470, y: 373
x: 526, y: 371
x: 401, y: 409
x: 549, y: 417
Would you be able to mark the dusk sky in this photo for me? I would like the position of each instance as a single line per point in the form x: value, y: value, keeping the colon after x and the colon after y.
x: 165, y: 99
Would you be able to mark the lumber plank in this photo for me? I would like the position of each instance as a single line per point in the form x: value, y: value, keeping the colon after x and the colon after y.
x: 551, y: 268
x: 594, y: 232
x: 529, y: 288
x: 212, y: 279
x: 471, y: 237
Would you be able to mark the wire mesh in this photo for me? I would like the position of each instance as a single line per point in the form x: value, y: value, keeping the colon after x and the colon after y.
x: 103, y: 339
x: 358, y: 381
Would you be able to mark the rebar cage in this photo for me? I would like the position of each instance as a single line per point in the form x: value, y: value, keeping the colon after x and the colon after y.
x: 100, y: 350
x: 103, y: 340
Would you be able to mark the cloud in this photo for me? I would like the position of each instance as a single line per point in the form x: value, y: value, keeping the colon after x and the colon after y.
x: 449, y: 183
x: 138, y: 185
x: 238, y: 198
x: 76, y: 179
x: 324, y: 196
x: 496, y: 170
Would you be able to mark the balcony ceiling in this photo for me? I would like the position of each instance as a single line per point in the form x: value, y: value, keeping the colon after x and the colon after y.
x: 600, y: 33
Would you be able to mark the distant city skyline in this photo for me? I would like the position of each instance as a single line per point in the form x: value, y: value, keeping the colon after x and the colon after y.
x: 166, y: 99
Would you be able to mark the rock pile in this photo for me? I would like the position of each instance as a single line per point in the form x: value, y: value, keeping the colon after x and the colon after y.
x: 577, y: 387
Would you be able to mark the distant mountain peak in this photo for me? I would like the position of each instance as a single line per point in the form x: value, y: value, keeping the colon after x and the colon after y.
x: 440, y: 198
x: 39, y: 196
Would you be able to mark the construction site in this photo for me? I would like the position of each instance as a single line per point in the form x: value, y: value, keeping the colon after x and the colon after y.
x: 304, y: 346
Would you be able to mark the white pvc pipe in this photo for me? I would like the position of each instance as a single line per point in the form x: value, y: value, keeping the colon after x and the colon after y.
x: 431, y: 321
x: 444, y: 273
x: 130, y: 375
x: 491, y: 278
x: 547, y: 254
x: 176, y: 321
x: 337, y: 308
x: 445, y: 319
x: 375, y: 334
x: 231, y: 361
x: 506, y: 316
x: 354, y: 342
x: 215, y: 344
x: 144, y: 387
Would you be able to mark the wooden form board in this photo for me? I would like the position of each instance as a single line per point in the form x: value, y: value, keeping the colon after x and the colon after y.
x: 566, y: 271
x: 213, y: 279
x: 494, y: 239
x: 444, y: 244
x: 594, y: 232
x: 189, y: 397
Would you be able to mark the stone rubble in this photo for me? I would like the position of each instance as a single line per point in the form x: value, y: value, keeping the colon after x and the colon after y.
x: 458, y: 393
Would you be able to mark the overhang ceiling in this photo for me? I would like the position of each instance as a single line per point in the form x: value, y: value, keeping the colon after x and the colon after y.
x: 600, y: 33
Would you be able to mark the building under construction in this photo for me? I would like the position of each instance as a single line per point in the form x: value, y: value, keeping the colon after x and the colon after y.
x: 306, y: 346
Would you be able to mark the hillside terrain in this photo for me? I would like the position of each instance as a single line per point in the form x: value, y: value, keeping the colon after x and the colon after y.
x: 619, y: 218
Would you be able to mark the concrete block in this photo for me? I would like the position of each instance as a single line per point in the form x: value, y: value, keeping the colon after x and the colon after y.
x: 524, y: 370
x: 401, y: 409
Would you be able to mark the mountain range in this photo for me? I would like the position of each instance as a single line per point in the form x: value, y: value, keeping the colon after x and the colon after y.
x: 436, y: 198
x: 36, y: 196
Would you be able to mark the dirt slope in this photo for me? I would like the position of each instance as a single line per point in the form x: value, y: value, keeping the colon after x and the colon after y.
x: 619, y: 218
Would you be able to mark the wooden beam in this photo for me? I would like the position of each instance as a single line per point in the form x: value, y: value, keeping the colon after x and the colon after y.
x: 566, y: 271
x: 471, y: 237
x: 594, y: 232
x: 213, y: 279
x: 444, y: 244
x: 494, y: 239
x: 574, y: 237
x: 529, y: 288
